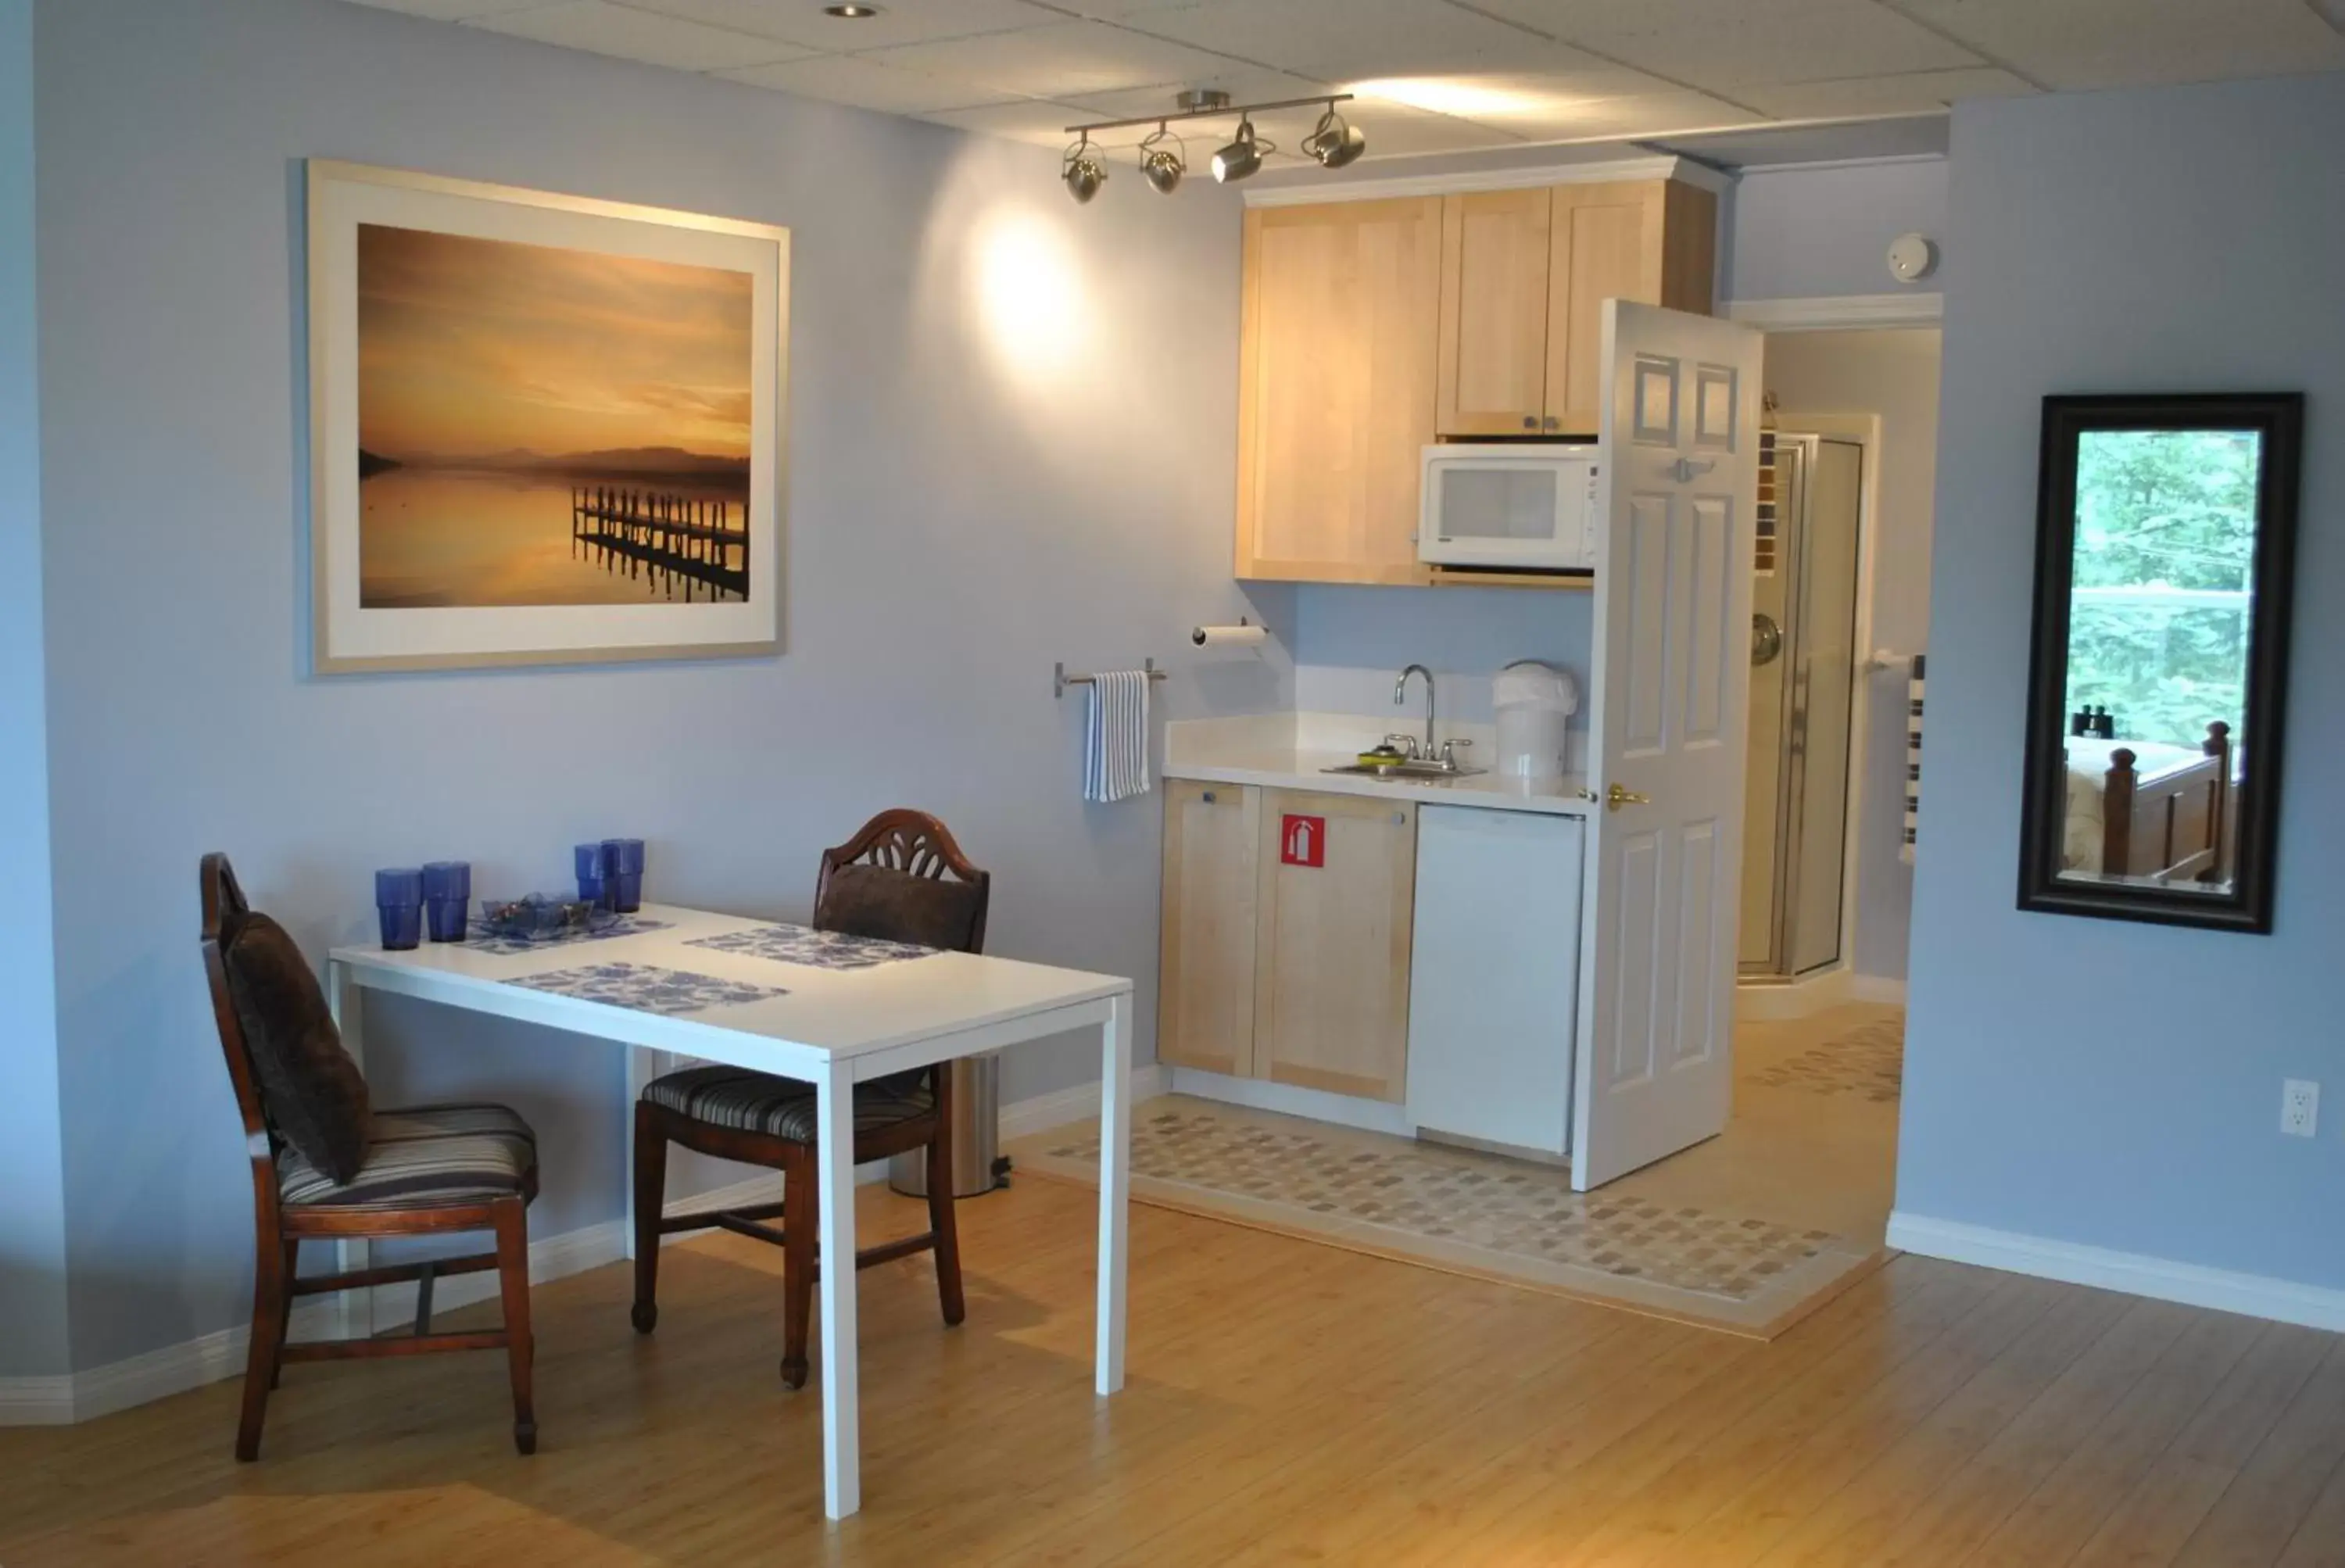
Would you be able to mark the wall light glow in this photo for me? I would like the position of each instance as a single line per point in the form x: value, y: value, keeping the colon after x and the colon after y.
x: 1029, y: 294
x: 1447, y: 96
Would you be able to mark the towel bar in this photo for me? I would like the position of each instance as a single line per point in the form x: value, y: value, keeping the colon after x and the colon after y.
x: 1060, y: 680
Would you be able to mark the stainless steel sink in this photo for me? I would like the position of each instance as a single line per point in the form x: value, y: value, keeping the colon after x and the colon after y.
x: 1412, y: 770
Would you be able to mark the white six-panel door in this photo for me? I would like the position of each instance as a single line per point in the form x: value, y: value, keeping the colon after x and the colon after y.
x: 1669, y: 722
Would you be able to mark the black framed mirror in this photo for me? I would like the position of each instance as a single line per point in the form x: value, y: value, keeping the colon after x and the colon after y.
x: 2165, y: 533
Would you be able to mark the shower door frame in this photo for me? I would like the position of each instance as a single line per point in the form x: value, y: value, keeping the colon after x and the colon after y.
x: 1863, y: 430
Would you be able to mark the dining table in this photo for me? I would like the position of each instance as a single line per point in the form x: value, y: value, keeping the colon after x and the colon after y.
x: 666, y: 982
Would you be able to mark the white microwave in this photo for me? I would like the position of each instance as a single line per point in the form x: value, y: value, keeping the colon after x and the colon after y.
x: 1502, y: 504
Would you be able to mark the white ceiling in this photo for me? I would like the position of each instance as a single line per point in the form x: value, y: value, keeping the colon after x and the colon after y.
x: 1436, y: 75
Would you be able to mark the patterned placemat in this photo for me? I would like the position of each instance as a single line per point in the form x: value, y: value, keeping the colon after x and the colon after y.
x: 506, y: 946
x: 814, y: 949
x: 648, y: 988
x: 1473, y: 1213
x: 1868, y: 1060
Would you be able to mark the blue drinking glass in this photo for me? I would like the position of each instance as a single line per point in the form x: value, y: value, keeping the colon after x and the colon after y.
x: 593, y: 862
x: 626, y: 891
x: 400, y: 887
x: 624, y: 855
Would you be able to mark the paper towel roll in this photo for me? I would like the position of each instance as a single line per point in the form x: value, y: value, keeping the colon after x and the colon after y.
x: 1241, y: 635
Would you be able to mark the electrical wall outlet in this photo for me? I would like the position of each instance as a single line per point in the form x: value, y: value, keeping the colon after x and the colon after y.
x: 2299, y: 1108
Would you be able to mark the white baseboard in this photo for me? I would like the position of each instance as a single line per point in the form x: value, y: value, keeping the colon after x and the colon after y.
x: 44, y: 1401
x: 2135, y: 1273
x: 1043, y: 1112
x: 1288, y: 1100
x: 1776, y: 1001
x: 175, y: 1369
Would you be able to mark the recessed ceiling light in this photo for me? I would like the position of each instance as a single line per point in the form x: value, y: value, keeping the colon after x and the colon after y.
x: 852, y: 12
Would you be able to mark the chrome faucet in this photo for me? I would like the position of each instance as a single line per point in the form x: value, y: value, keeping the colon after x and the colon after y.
x: 1400, y: 694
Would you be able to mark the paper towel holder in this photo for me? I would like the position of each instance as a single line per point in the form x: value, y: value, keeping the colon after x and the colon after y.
x: 1199, y: 637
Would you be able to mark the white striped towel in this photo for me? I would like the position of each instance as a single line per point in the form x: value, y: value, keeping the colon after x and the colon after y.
x: 1115, y: 736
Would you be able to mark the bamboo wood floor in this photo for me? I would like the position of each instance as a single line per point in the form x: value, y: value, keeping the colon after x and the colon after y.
x: 1288, y: 1403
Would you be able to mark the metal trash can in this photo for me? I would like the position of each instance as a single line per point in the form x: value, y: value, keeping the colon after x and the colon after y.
x: 977, y: 1163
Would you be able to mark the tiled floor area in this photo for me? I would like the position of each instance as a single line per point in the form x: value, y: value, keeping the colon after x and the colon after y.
x: 1743, y: 1233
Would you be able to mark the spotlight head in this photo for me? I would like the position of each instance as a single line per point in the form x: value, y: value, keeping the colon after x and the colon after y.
x: 1160, y: 163
x: 1083, y: 170
x: 1241, y: 157
x: 1336, y: 141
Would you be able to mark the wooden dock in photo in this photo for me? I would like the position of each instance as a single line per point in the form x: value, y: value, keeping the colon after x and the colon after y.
x: 682, y: 539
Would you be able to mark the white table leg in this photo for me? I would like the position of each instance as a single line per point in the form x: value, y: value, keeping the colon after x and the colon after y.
x: 342, y: 999
x: 1115, y: 1180
x: 842, y: 1467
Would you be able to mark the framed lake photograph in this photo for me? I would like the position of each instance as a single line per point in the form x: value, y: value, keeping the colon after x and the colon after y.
x: 543, y: 429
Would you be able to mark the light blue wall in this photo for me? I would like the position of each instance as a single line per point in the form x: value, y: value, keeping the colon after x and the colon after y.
x: 1804, y: 233
x: 965, y: 509
x: 32, y: 1171
x: 2093, y: 1081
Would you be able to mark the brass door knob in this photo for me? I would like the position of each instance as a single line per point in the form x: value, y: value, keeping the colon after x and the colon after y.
x: 1615, y: 797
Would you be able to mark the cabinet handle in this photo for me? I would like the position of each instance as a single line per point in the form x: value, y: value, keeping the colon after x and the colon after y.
x: 1207, y: 797
x: 1400, y: 818
x: 1553, y: 423
x: 1530, y: 422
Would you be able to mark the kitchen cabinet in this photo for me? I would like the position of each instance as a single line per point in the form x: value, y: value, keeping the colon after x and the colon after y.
x: 1335, y: 392
x: 1523, y: 278
x: 1204, y: 1010
x: 1293, y: 972
x: 1494, y: 305
x: 1332, y: 944
x: 1369, y: 329
x: 1494, y: 977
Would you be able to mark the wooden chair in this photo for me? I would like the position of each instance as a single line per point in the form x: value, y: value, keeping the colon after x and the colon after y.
x: 889, y: 880
x: 423, y: 1171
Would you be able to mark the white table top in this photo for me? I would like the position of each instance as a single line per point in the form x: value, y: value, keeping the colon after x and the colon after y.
x: 832, y: 1012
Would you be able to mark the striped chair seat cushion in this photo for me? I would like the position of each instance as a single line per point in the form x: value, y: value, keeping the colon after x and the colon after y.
x: 423, y: 1157
x: 747, y: 1102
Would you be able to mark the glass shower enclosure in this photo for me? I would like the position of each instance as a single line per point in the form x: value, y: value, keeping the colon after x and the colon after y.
x: 1804, y: 673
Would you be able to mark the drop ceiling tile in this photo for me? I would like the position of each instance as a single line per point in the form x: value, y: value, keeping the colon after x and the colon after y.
x: 1059, y: 61
x: 1350, y: 40
x: 1393, y: 130
x: 1646, y: 115
x: 608, y: 29
x: 2087, y: 43
x: 1244, y: 85
x: 1915, y: 92
x: 1845, y: 38
x: 449, y: 10
x: 1490, y: 95
x: 866, y: 84
x: 803, y: 22
x: 1569, y: 20
x: 1027, y: 120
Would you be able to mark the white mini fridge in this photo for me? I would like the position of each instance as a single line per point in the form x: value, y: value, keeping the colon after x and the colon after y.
x: 1494, y: 978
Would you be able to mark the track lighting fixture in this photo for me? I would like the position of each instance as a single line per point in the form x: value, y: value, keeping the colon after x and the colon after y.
x: 1335, y: 141
x: 1084, y: 170
x: 1241, y: 157
x: 1161, y: 162
x: 1163, y: 158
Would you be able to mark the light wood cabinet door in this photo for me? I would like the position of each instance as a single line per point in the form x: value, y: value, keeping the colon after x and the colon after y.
x: 1341, y: 313
x: 1653, y: 242
x: 1331, y: 945
x: 1495, y: 254
x: 1205, y: 1009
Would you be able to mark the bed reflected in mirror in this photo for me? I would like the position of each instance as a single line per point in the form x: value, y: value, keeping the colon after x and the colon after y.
x: 2164, y: 528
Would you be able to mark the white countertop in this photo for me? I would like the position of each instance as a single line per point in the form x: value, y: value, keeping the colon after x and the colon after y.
x: 1291, y: 752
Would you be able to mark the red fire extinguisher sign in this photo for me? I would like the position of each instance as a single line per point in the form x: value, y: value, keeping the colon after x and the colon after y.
x: 1303, y: 841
